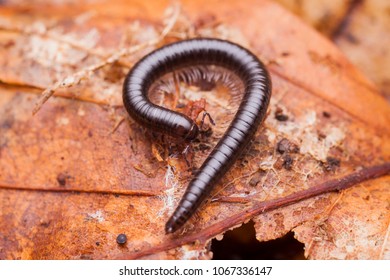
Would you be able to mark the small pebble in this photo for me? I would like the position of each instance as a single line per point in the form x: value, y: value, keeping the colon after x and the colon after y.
x: 280, y: 116
x: 121, y: 239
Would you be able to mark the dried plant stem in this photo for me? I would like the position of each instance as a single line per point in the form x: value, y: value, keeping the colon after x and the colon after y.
x: 43, y: 31
x: 260, y: 207
x: 85, y: 73
x: 77, y: 189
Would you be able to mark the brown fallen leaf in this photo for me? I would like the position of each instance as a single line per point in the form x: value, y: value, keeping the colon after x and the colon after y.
x: 361, y: 29
x: 70, y: 178
x: 325, y: 16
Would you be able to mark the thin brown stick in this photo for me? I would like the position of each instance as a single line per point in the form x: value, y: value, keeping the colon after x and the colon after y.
x: 85, y: 73
x: 339, y: 30
x: 260, y: 207
x: 56, y: 189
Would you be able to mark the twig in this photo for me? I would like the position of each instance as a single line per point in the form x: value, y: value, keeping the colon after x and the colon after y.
x: 260, y: 207
x: 78, y: 189
x: 86, y: 72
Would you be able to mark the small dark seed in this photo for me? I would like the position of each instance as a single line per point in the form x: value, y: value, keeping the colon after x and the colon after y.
x: 61, y: 179
x: 280, y: 116
x: 331, y: 164
x: 333, y: 161
x: 287, y: 162
x: 283, y: 145
x: 121, y: 239
x: 321, y: 136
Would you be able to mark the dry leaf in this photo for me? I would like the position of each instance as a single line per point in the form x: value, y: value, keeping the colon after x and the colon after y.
x: 76, y: 175
x: 361, y: 29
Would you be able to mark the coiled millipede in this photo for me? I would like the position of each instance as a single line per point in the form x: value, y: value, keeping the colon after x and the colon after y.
x: 250, y: 114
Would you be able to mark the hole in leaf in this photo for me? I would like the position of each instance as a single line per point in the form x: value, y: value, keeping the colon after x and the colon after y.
x: 241, y: 244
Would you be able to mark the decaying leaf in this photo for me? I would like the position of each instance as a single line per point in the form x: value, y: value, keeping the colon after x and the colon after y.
x: 80, y: 172
x: 361, y: 29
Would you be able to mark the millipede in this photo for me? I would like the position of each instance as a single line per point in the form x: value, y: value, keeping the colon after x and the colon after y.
x: 251, y: 112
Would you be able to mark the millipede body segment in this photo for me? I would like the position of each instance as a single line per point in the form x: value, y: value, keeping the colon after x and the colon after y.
x: 250, y: 114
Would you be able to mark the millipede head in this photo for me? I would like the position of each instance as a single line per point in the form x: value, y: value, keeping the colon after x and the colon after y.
x: 193, y: 133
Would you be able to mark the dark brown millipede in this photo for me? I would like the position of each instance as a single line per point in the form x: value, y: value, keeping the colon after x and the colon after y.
x: 250, y: 114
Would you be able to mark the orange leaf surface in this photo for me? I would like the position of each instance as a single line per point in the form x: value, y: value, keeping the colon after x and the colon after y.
x: 80, y: 171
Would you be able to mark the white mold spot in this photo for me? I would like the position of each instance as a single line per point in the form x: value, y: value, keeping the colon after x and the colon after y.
x: 304, y: 130
x: 169, y: 198
x: 62, y: 121
x: 98, y: 216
